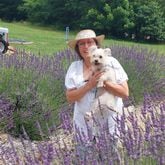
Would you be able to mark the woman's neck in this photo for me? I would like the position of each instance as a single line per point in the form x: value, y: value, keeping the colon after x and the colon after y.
x: 87, y: 65
x: 87, y: 71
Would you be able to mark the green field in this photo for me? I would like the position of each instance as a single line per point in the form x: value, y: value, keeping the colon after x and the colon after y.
x: 48, y: 40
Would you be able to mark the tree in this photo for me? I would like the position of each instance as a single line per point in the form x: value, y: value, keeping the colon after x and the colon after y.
x: 111, y: 17
x: 9, y: 10
x: 70, y: 13
x: 99, y: 20
x: 123, y: 18
x: 36, y: 10
x: 55, y: 12
x: 162, y: 6
x: 150, y: 22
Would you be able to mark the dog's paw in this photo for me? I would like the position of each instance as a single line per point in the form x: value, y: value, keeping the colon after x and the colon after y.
x: 107, y: 51
x: 100, y: 84
x: 88, y: 116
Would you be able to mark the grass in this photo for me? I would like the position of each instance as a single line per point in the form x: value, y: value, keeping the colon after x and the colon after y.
x: 45, y: 40
x: 48, y: 40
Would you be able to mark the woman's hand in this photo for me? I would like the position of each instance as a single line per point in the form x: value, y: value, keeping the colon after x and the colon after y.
x: 93, y: 80
x: 120, y: 90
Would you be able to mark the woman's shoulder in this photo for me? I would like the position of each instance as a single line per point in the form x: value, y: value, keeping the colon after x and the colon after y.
x: 112, y: 58
x: 114, y: 62
x: 76, y: 64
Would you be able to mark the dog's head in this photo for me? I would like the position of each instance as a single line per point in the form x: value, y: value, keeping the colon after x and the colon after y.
x: 98, y: 56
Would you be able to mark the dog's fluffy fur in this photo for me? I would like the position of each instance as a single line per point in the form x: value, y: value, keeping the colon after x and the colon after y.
x: 104, y: 103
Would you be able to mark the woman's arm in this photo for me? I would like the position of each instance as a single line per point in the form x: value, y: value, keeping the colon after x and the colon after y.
x: 76, y: 94
x: 120, y: 90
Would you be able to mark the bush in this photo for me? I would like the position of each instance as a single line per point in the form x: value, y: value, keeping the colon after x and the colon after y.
x: 145, y: 70
x: 34, y: 87
x: 141, y: 141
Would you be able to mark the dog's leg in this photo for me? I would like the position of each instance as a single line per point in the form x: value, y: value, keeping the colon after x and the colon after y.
x: 101, y: 81
x: 93, y: 111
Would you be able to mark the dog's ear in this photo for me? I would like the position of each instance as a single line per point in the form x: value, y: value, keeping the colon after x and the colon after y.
x: 92, y: 48
x: 107, y: 52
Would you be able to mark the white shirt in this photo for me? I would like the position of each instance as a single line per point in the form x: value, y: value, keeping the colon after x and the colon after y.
x: 75, y: 79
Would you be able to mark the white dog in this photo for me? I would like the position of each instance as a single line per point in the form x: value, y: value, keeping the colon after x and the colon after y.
x: 104, y: 102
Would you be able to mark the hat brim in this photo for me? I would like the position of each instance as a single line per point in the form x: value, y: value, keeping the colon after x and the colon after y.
x: 72, y: 43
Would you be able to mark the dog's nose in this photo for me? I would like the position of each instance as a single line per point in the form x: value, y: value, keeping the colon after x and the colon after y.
x: 96, y: 61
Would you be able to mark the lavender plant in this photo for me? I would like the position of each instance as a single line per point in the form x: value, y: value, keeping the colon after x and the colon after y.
x: 141, y: 140
x: 6, y: 113
x: 35, y: 84
x: 144, y: 137
x: 145, y: 70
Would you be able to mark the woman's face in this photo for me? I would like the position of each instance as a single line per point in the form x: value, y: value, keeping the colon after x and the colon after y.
x: 84, y: 45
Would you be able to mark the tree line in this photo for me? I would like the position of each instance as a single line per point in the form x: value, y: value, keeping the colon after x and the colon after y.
x: 131, y: 19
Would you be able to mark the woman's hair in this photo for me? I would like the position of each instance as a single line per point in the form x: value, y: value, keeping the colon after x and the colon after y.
x: 78, y: 52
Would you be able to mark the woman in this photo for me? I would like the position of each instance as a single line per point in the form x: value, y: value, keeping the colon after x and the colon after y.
x: 81, y: 83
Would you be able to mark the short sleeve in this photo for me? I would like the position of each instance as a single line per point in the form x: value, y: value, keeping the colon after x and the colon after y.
x: 121, y: 75
x: 74, y: 75
x: 69, y: 78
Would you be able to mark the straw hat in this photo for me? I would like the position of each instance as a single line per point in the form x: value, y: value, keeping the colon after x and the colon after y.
x: 85, y: 34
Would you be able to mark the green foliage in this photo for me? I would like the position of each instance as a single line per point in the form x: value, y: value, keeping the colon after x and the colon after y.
x: 9, y: 10
x: 100, y: 20
x: 28, y: 110
x: 32, y: 96
x: 149, y: 21
x: 123, y: 3
x: 136, y: 86
x: 95, y: 16
x: 162, y: 6
x: 74, y: 10
x: 54, y: 12
x: 121, y: 21
x: 36, y: 10
x: 120, y: 18
x: 113, y: 18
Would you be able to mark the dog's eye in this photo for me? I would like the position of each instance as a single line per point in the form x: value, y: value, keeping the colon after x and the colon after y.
x: 100, y: 56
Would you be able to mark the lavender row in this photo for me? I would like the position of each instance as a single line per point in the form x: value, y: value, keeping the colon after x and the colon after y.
x: 26, y: 77
x: 141, y: 140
